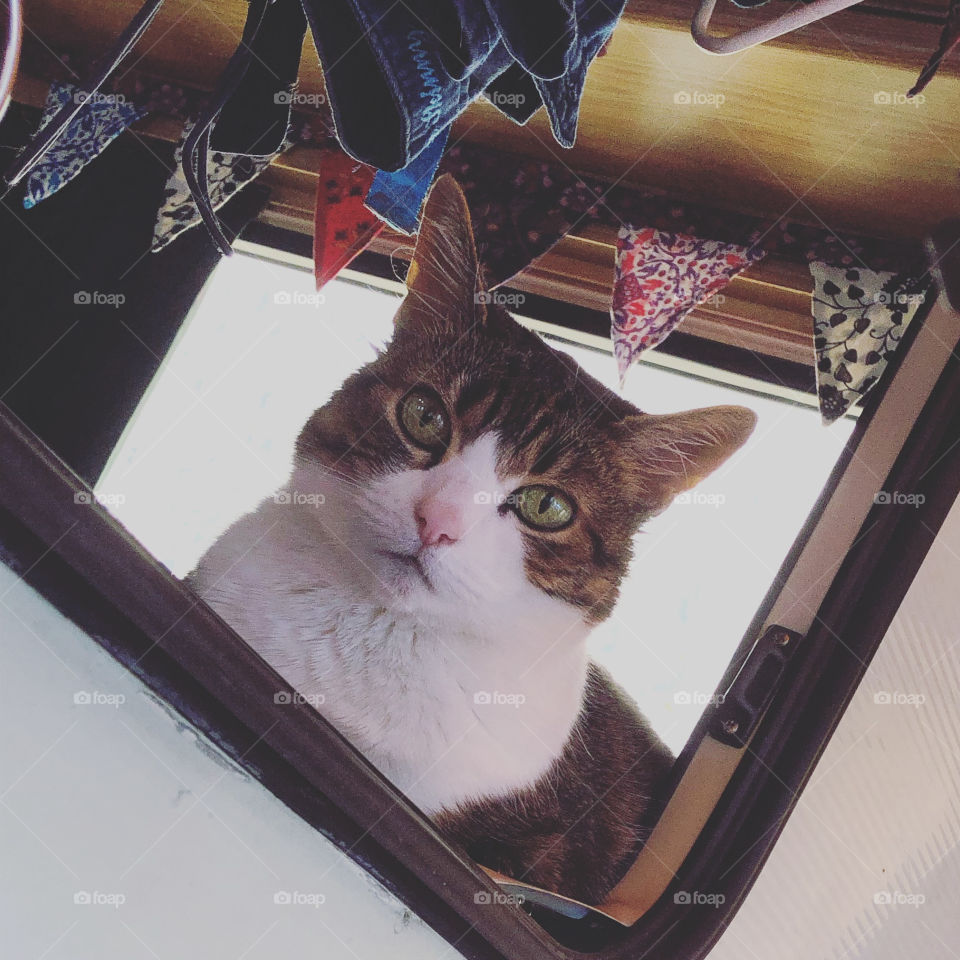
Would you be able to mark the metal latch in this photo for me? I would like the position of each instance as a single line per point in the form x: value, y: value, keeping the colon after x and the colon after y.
x: 739, y: 709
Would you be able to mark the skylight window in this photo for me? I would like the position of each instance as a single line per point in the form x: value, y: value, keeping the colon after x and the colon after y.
x: 262, y: 349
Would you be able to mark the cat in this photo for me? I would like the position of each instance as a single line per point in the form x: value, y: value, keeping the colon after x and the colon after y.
x: 459, y: 515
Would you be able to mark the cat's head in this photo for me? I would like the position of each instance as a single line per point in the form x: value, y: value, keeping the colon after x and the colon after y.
x: 473, y: 470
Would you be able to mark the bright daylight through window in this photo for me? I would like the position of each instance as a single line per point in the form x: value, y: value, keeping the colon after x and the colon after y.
x: 261, y: 350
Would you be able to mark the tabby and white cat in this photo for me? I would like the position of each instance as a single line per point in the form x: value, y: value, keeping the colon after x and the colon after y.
x: 480, y: 494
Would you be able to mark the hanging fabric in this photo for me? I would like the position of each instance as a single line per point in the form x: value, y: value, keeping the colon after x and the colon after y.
x: 660, y: 278
x: 561, y: 96
x: 397, y: 197
x: 256, y: 115
x: 859, y: 317
x: 514, y: 94
x: 397, y: 74
x: 226, y: 175
x: 101, y: 119
x: 949, y: 38
x: 542, y: 39
x: 342, y: 225
x: 520, y: 207
x: 60, y: 120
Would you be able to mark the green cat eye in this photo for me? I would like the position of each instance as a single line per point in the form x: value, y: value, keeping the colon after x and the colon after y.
x: 544, y: 508
x: 423, y: 418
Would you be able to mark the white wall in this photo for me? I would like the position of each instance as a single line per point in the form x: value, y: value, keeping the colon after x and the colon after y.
x: 180, y: 853
x: 868, y: 867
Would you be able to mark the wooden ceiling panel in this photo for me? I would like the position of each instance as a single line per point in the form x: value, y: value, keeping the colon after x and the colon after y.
x: 773, y: 130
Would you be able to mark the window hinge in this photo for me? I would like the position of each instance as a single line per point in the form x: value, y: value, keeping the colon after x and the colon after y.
x: 738, y: 710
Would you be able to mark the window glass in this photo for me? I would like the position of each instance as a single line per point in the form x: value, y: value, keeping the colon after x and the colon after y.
x: 261, y: 350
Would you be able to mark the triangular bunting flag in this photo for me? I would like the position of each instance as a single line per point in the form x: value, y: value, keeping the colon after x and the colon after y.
x: 103, y: 117
x: 397, y: 196
x: 227, y: 174
x: 660, y: 278
x: 342, y: 225
x: 859, y: 316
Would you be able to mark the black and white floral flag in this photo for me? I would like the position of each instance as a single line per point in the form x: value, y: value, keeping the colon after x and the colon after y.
x: 859, y: 316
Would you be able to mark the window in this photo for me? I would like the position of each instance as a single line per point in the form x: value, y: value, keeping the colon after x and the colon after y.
x: 850, y: 564
x: 261, y: 350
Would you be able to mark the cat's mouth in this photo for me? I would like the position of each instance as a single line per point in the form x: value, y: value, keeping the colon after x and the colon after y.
x: 410, y: 561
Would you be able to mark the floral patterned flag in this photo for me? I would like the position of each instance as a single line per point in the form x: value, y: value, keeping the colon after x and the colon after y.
x: 660, y: 278
x: 859, y: 316
x: 103, y: 117
x: 520, y: 206
x: 227, y: 173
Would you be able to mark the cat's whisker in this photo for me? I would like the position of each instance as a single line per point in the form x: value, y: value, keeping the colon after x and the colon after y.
x: 339, y: 477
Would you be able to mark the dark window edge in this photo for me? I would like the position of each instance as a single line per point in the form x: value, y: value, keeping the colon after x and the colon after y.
x: 867, y: 591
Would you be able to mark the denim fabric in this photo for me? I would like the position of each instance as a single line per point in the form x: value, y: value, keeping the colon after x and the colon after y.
x: 399, y: 73
x: 541, y: 35
x: 396, y: 197
x: 515, y: 94
x: 465, y: 33
x: 596, y: 20
x: 389, y: 90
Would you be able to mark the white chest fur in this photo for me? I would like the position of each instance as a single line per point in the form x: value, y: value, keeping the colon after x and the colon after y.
x: 472, y: 692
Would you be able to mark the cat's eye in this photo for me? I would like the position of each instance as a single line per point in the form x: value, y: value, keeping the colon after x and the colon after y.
x: 423, y: 418
x: 543, y: 507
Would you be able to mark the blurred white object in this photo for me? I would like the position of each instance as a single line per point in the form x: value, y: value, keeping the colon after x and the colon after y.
x: 796, y: 17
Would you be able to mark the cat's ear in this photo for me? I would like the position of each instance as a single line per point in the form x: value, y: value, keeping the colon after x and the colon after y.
x: 443, y: 280
x: 671, y: 453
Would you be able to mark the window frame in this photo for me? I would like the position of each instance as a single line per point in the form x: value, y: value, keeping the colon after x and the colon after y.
x: 582, y: 323
x: 89, y: 567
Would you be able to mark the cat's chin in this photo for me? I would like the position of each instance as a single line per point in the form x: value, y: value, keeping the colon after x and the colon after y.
x: 406, y: 571
x: 406, y: 581
x: 415, y: 586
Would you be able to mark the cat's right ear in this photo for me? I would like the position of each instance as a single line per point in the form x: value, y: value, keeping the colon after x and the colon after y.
x: 670, y: 453
x: 443, y: 281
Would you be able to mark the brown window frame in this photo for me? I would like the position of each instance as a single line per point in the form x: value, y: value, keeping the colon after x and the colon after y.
x: 87, y: 564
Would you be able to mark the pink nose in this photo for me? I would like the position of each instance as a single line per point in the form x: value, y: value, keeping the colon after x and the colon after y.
x: 438, y: 522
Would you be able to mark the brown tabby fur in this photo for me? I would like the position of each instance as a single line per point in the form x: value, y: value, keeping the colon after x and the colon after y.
x: 577, y: 829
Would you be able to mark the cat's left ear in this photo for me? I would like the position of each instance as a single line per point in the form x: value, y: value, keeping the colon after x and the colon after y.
x: 443, y: 280
x: 671, y: 453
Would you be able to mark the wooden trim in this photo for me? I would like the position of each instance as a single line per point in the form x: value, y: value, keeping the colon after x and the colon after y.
x: 766, y: 311
x: 800, y: 133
